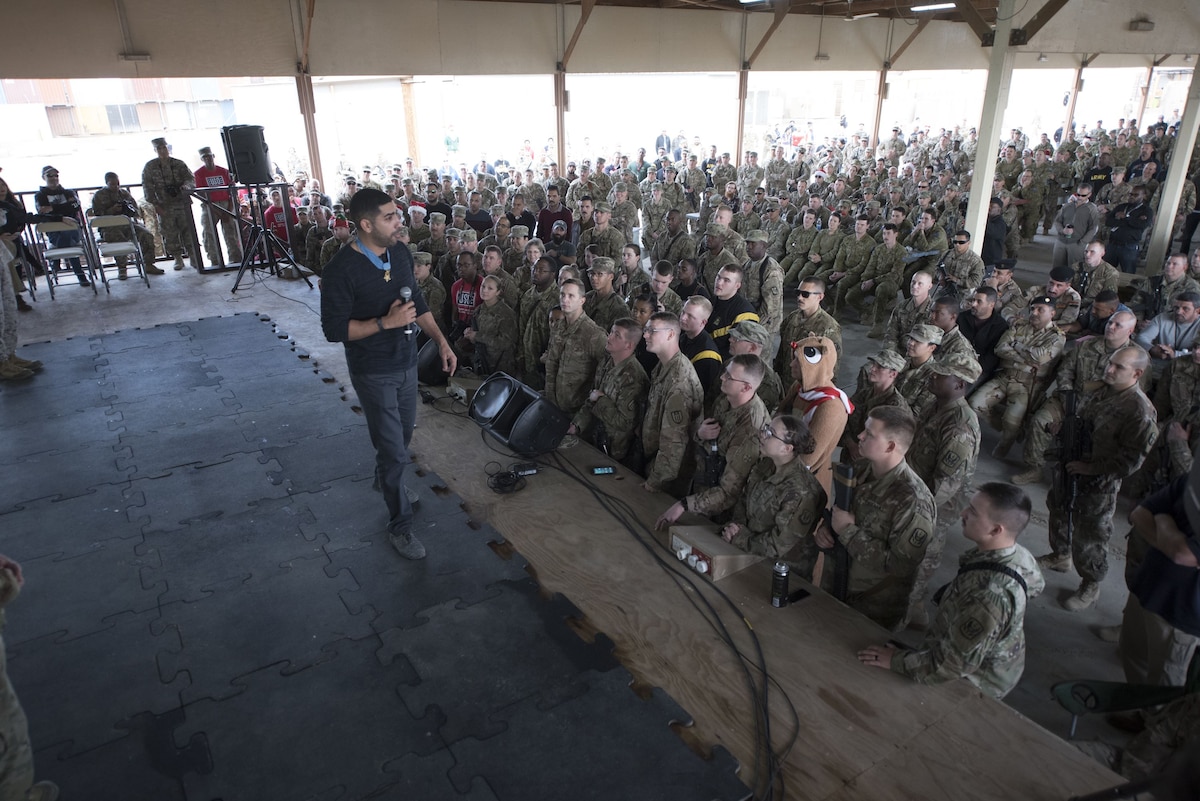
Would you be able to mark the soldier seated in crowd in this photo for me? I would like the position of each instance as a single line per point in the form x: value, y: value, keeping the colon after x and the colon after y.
x: 782, y: 504
x: 1027, y: 353
x: 914, y: 382
x: 1094, y: 319
x: 983, y: 327
x: 489, y: 343
x: 113, y: 200
x: 978, y: 632
x: 809, y: 319
x: 878, y: 389
x: 890, y: 525
x: 613, y: 410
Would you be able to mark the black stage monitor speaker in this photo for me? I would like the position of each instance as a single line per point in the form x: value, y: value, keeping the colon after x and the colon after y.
x: 429, y: 364
x: 518, y: 416
x: 249, y: 158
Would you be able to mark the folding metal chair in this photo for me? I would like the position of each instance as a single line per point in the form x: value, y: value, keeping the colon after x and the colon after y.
x: 131, y: 249
x: 50, y: 252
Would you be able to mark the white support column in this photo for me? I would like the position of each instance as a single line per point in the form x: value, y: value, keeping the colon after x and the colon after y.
x: 995, y: 100
x: 1172, y: 187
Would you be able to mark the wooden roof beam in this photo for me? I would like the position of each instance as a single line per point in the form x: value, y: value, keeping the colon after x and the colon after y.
x: 1021, y: 36
x: 782, y: 7
x: 586, y: 7
x: 973, y: 18
x: 904, y: 45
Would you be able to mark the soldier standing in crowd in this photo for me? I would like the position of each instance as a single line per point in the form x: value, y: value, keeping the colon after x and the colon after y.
x: 944, y: 453
x: 603, y: 305
x: 1120, y: 426
x: 726, y: 443
x: 167, y: 183
x: 534, y: 320
x: 574, y: 353
x: 889, y: 528
x: 675, y: 401
x: 218, y: 209
x: 978, y: 633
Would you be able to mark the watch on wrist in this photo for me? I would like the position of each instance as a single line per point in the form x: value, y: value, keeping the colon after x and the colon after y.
x: 379, y: 324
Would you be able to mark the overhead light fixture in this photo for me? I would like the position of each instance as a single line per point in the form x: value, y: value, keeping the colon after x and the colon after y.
x: 934, y: 7
x: 821, y: 57
x: 1042, y: 58
x: 134, y: 56
x: 1141, y: 24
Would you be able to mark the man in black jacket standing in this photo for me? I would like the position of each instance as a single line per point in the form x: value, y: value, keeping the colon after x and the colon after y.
x: 1127, y: 224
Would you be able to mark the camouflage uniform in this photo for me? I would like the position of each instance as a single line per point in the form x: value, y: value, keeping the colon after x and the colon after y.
x: 1026, y: 355
x: 738, y: 445
x: 435, y: 298
x: 571, y: 361
x: 117, y: 201
x: 328, y: 248
x: 778, y: 513
x: 885, y: 268
x: 609, y: 242
x: 770, y: 391
x: 654, y: 224
x: 435, y: 247
x: 955, y: 348
x: 709, y: 264
x: 16, y: 761
x: 749, y: 178
x: 624, y: 219
x: 921, y: 241
x: 723, y: 174
x: 852, y: 259
x: 510, y: 290
x: 675, y: 401
x: 313, y: 241
x: 166, y: 185
x: 904, y: 317
x: 979, y: 631
x: 1010, y: 301
x: 1176, y: 400
x: 620, y: 406
x: 777, y: 236
x: 893, y: 525
x: 1158, y: 295
x: 534, y: 322
x: 863, y: 401
x: 967, y: 267
x: 826, y: 246
x: 944, y: 453
x: 495, y: 329
x: 745, y: 222
x: 777, y: 175
x: 913, y: 384
x: 1089, y: 283
x: 693, y: 180
x: 604, y: 310
x: 673, y: 249
x: 796, y: 327
x: 799, y: 242
x: 763, y: 286
x: 1122, y: 427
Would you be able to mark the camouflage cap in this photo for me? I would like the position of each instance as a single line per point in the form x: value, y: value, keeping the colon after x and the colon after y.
x: 459, y: 211
x: 962, y: 367
x: 757, y: 235
x: 519, y: 231
x: 620, y: 186
x: 926, y: 333
x: 657, y: 185
x: 602, y: 264
x: 873, y: 204
x: 497, y: 208
x: 159, y: 142
x: 437, y: 217
x: 469, y: 235
x: 750, y: 331
x: 454, y: 233
x: 771, y: 205
x: 602, y: 206
x: 716, y: 229
x: 888, y: 359
x: 421, y: 257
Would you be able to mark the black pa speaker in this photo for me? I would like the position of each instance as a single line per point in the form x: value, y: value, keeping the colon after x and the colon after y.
x: 518, y: 416
x: 249, y: 158
x: 429, y: 364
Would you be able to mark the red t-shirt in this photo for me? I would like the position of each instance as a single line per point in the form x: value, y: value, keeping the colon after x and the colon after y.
x: 280, y: 220
x: 217, y: 176
x: 464, y: 298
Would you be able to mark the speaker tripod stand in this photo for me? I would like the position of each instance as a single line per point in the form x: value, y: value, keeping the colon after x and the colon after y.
x: 262, y: 238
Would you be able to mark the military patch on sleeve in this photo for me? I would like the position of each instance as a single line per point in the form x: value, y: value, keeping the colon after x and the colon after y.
x: 677, y: 417
x: 970, y: 629
x: 951, y: 459
x: 918, y: 538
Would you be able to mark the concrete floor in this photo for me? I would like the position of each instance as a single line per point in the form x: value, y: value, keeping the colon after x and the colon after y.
x: 1061, y: 645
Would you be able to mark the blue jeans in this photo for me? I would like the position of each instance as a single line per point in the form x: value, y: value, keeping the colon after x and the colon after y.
x: 1123, y: 257
x: 389, y: 402
x: 66, y: 239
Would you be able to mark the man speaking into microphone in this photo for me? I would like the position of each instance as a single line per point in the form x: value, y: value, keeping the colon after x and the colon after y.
x: 369, y: 302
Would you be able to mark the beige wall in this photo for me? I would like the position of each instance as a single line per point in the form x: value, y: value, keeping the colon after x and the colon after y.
x: 361, y: 37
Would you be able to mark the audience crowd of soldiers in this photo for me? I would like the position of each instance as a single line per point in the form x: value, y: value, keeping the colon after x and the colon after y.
x: 646, y: 298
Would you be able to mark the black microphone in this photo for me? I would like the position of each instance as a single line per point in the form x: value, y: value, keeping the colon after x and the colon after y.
x: 406, y: 296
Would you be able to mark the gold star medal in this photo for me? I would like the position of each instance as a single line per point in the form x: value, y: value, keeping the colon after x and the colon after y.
x: 387, y: 275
